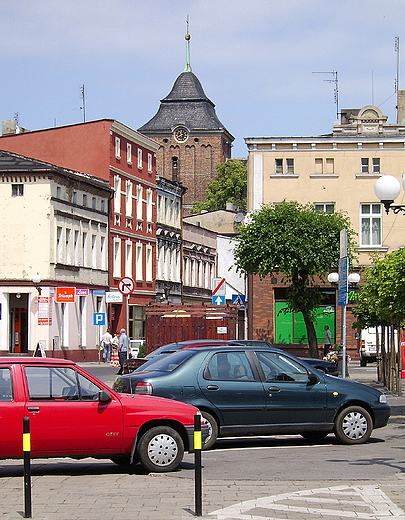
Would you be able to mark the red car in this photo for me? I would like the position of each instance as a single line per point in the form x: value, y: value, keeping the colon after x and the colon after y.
x: 74, y: 414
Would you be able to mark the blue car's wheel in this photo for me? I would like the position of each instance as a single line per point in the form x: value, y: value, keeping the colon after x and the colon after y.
x: 212, y: 429
x: 353, y: 425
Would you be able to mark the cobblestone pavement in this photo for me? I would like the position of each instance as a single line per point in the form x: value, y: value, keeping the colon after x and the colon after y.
x: 64, y: 489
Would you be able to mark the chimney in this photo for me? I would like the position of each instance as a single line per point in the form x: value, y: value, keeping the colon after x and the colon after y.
x: 8, y: 127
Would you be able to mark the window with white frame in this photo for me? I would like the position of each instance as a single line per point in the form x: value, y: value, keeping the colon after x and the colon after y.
x: 84, y: 249
x: 68, y: 246
x: 117, y: 148
x: 139, y: 264
x: 59, y: 245
x: 376, y: 164
x: 149, y: 205
x: 289, y: 163
x: 318, y: 166
x: 117, y: 194
x: 330, y: 165
x: 325, y: 207
x: 140, y: 158
x: 17, y: 190
x: 129, y: 153
x: 364, y: 165
x: 103, y: 253
x: 128, y: 198
x: 94, y: 251
x: 117, y: 258
x: 139, y: 195
x: 77, y: 247
x: 149, y: 264
x: 371, y: 225
x: 278, y: 164
x: 149, y: 163
x: 128, y: 258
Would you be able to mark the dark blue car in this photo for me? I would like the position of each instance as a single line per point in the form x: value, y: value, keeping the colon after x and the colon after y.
x: 251, y: 390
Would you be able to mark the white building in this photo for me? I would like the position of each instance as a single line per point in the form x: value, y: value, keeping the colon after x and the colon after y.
x: 54, y: 257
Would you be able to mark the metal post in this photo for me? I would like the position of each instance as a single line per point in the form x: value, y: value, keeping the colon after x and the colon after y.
x: 129, y: 343
x: 197, y: 464
x: 27, y: 467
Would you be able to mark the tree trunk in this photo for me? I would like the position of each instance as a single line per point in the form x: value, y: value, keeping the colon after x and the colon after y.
x: 312, y: 340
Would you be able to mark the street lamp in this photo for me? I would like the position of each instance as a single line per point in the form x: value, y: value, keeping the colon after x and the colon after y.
x: 387, y: 188
x: 36, y: 279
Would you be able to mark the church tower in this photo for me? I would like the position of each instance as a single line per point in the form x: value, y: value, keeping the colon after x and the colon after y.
x: 191, y: 137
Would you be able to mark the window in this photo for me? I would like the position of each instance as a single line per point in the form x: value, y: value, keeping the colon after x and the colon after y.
x: 279, y: 165
x: 325, y: 207
x: 77, y: 247
x: 68, y: 246
x: 139, y: 194
x: 149, y: 163
x: 58, y: 192
x: 59, y: 245
x: 117, y: 258
x: 149, y: 205
x: 277, y: 367
x: 128, y: 258
x: 149, y: 263
x: 319, y: 166
x: 330, y: 166
x: 376, y: 165
x: 102, y: 205
x: 84, y: 249
x: 94, y: 202
x: 74, y: 197
x: 17, y: 190
x: 117, y: 148
x: 128, y: 198
x: 6, y: 388
x: 129, y: 153
x: 139, y: 267
x: 371, y: 221
x: 140, y: 158
x: 117, y: 194
x: 94, y: 251
x: 136, y: 320
x: 229, y: 366
x: 102, y: 253
x: 85, y: 200
x: 364, y: 165
x: 289, y: 165
x: 175, y: 169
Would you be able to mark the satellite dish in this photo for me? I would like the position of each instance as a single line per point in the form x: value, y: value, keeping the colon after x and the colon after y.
x: 239, y: 217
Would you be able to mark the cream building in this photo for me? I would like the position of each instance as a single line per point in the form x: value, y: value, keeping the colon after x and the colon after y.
x: 335, y: 172
x: 55, y: 228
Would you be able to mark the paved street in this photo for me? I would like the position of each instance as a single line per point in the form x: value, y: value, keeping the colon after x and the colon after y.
x: 64, y: 489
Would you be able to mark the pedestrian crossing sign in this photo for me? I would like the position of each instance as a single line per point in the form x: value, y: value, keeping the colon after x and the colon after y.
x: 239, y: 300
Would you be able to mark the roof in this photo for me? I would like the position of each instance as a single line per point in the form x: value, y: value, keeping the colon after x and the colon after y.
x: 186, y: 104
x: 25, y: 360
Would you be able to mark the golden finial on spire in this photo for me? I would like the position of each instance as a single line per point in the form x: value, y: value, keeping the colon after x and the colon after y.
x: 188, y: 66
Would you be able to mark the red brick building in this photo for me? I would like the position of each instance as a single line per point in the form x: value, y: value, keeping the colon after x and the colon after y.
x: 112, y: 151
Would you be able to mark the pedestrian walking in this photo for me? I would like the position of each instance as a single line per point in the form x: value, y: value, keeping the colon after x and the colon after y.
x: 106, y: 341
x: 123, y: 344
x: 115, y: 362
x: 328, y: 341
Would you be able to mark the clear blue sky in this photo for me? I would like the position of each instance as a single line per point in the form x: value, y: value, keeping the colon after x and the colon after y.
x: 255, y: 60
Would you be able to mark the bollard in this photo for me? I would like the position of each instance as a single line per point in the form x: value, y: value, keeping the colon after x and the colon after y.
x: 27, y: 467
x: 197, y: 464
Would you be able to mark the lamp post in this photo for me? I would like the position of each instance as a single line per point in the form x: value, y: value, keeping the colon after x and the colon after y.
x: 36, y: 280
x: 387, y: 188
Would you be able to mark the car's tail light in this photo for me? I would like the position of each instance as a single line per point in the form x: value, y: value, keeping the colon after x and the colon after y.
x: 143, y: 388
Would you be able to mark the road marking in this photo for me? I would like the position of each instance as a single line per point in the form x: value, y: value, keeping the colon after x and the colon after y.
x: 359, y: 502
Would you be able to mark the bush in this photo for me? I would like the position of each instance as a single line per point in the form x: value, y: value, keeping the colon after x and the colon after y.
x: 142, y: 350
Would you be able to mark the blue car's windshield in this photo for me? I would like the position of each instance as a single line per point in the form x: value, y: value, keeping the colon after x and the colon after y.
x: 171, y: 347
x: 168, y: 363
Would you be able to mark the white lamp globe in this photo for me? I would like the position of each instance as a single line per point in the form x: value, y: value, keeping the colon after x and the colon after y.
x: 354, y: 278
x: 36, y: 278
x: 387, y: 187
x: 333, y: 277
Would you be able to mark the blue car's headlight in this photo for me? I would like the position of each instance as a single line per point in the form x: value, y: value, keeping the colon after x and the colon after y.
x: 383, y: 399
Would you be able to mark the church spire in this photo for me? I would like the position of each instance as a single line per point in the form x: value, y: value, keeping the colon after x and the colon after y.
x: 187, y: 68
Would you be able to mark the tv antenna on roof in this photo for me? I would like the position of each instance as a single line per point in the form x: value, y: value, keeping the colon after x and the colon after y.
x: 83, y: 107
x: 335, y: 90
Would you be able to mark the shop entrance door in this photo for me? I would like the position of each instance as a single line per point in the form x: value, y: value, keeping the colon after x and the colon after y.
x: 18, y: 330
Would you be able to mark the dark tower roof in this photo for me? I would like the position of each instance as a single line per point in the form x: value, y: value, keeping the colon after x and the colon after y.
x: 187, y: 105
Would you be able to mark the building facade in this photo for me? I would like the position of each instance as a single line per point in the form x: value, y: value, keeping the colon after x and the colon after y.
x: 335, y: 172
x: 192, y: 140
x: 55, y: 257
x: 126, y: 159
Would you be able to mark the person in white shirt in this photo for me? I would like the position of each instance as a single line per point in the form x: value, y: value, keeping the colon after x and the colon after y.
x: 106, y: 341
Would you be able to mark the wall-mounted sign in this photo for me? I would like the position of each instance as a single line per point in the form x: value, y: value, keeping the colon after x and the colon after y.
x: 44, y: 310
x: 65, y: 294
x: 82, y: 292
x: 114, y: 297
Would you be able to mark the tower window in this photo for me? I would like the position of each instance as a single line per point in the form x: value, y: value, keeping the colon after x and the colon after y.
x: 175, y: 169
x: 17, y: 190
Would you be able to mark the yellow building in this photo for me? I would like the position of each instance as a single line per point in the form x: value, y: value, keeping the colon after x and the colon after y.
x: 335, y: 172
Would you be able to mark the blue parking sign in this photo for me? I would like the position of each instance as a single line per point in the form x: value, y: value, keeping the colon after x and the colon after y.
x: 99, y: 318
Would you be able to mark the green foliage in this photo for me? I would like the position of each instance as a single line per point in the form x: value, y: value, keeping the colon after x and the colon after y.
x: 142, y: 350
x: 299, y: 242
x: 382, y: 297
x: 230, y: 185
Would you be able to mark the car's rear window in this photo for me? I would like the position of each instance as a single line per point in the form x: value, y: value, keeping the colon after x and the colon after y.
x: 170, y: 362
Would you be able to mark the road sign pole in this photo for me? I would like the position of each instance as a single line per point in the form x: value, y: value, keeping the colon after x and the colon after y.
x: 127, y: 312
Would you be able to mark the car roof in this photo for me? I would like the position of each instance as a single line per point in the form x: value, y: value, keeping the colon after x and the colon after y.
x: 26, y: 360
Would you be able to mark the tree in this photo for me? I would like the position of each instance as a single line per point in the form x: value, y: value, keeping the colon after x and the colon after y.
x: 230, y: 185
x: 299, y: 242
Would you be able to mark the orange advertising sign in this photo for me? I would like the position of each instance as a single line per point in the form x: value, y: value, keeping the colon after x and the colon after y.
x: 65, y: 294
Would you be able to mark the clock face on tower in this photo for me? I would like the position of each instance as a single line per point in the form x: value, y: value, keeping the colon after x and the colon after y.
x: 181, y: 134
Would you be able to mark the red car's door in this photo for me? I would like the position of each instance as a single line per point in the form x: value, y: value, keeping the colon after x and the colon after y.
x: 66, y: 417
x: 11, y: 413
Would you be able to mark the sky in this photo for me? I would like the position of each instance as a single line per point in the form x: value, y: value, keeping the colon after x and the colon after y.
x: 267, y: 65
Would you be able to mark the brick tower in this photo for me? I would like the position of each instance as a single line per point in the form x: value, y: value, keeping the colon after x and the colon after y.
x: 191, y: 137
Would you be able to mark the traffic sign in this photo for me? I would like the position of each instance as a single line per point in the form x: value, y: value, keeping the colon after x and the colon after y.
x: 238, y: 299
x: 99, y: 318
x: 126, y: 286
x: 218, y: 287
x: 343, y: 281
x: 218, y: 300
